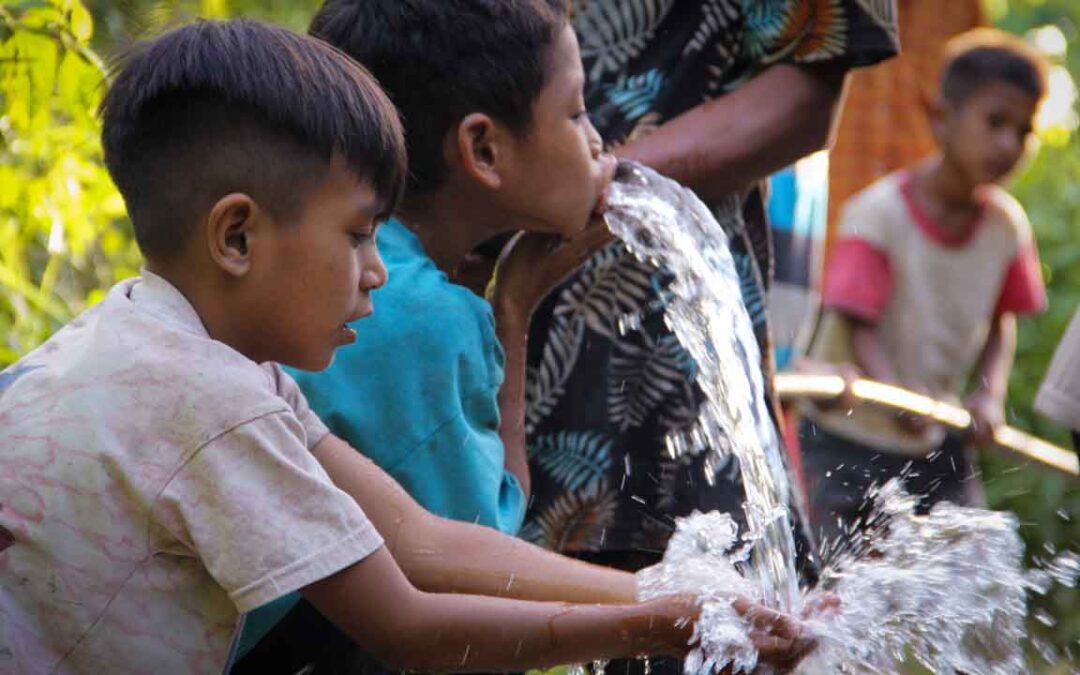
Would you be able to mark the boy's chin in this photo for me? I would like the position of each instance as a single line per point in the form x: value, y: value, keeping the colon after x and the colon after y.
x: 311, y: 362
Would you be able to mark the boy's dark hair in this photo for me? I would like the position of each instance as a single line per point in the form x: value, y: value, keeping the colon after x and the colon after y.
x: 440, y: 60
x: 218, y: 107
x: 983, y: 55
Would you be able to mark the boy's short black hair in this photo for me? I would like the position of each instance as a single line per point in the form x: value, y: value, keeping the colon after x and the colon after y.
x: 983, y: 55
x: 218, y: 107
x: 440, y: 60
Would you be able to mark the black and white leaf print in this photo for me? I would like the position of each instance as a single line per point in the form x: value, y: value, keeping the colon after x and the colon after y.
x: 612, y: 285
x: 718, y: 18
x: 644, y: 376
x: 574, y: 459
x: 545, y: 383
x: 575, y: 520
x: 680, y: 412
x: 752, y: 295
x: 612, y: 32
x: 668, y: 469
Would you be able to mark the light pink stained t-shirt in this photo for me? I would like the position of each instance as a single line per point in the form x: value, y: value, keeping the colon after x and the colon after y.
x: 154, y: 485
x: 932, y: 294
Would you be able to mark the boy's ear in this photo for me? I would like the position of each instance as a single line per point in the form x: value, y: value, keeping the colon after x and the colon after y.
x: 230, y: 229
x: 480, y: 149
x: 939, y: 111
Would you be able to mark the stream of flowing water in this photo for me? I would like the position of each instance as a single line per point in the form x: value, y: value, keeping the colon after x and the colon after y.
x: 659, y: 220
x: 946, y: 590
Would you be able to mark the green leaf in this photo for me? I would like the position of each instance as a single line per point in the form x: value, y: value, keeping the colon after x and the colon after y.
x: 82, y: 23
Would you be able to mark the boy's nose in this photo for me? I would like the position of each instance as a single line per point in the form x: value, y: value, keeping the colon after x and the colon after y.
x: 596, y: 143
x: 1011, y: 143
x: 374, y: 275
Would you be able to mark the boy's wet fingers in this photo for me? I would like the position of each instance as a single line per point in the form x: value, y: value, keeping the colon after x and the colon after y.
x: 782, y: 654
x: 825, y: 604
x: 765, y: 620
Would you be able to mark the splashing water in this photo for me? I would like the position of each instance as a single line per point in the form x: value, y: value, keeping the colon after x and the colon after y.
x: 946, y: 589
x: 658, y: 219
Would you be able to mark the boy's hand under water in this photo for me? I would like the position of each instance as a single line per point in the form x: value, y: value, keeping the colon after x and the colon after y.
x: 780, y: 639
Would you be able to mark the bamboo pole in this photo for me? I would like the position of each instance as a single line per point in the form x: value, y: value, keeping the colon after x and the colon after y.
x: 791, y: 386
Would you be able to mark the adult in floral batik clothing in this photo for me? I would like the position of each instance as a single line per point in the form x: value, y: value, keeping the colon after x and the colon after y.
x: 716, y: 94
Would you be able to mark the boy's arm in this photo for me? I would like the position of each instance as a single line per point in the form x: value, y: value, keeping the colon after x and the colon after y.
x: 531, y: 267
x: 407, y: 618
x: 870, y: 356
x: 441, y: 555
x: 987, y: 403
x: 405, y: 628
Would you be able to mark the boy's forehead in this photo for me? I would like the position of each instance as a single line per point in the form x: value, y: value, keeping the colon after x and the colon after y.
x: 563, y: 60
x: 1005, y: 94
x: 343, y: 183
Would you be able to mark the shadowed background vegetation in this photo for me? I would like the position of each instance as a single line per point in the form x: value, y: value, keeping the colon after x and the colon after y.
x: 64, y: 238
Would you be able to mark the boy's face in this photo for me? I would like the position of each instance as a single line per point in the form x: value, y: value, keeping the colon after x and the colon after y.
x: 988, y: 133
x: 560, y: 171
x: 313, y: 276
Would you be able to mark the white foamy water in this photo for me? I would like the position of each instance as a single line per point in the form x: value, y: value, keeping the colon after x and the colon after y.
x: 659, y: 220
x: 946, y: 589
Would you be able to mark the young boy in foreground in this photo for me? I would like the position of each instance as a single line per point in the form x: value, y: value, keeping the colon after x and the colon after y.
x: 924, y: 285
x: 159, y: 482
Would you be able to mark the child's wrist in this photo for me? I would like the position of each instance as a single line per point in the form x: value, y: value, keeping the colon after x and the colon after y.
x: 510, y: 311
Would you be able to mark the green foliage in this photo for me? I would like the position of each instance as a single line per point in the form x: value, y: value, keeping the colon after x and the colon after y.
x: 63, y: 234
x: 123, y: 21
x: 1048, y: 506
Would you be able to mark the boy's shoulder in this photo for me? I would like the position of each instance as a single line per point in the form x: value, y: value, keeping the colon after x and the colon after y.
x: 419, y: 301
x: 1005, y: 209
x: 151, y: 367
x: 871, y: 212
x: 885, y: 192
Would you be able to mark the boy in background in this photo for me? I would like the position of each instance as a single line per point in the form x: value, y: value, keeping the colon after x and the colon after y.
x: 159, y: 482
x: 933, y: 265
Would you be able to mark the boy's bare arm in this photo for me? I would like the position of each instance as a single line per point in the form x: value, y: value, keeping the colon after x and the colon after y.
x: 987, y: 402
x: 405, y: 628
x: 728, y: 143
x: 532, y: 266
x: 870, y: 355
x: 441, y: 555
x: 406, y: 615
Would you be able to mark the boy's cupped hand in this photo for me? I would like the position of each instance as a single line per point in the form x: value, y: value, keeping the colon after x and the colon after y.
x: 533, y: 264
x: 782, y: 641
x: 987, y: 412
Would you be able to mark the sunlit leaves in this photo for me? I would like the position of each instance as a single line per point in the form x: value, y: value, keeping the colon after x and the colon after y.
x: 57, y: 203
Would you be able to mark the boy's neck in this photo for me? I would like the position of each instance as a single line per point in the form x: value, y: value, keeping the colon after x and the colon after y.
x: 449, y: 226
x: 947, y: 195
x: 946, y: 185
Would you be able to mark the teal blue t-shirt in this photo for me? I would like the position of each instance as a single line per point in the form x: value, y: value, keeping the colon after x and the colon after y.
x: 417, y: 393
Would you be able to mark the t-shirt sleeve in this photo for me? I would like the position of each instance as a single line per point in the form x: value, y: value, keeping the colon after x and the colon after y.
x: 287, y: 388
x: 261, y: 513
x: 858, y: 272
x: 1022, y: 290
x: 855, y: 32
